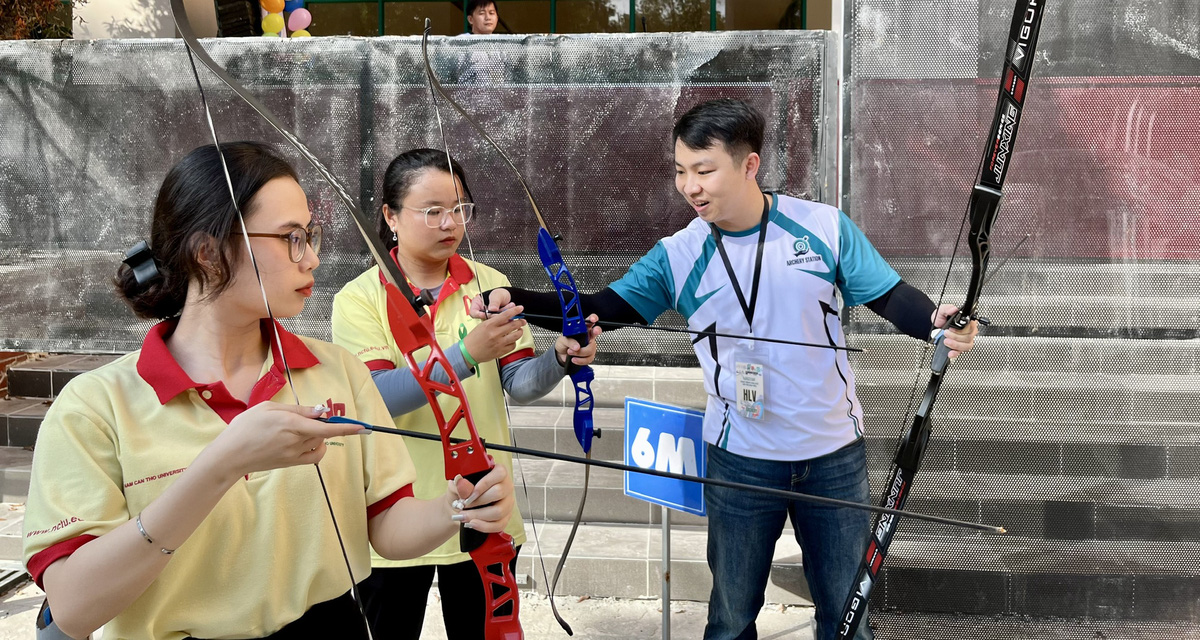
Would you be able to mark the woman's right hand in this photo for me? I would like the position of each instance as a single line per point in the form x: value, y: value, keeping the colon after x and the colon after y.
x: 497, y: 335
x: 271, y: 435
x: 498, y: 298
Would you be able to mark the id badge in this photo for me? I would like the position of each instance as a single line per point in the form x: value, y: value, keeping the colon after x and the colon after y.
x: 751, y: 390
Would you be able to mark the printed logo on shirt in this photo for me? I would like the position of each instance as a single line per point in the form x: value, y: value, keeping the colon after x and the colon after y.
x: 370, y: 349
x: 335, y: 408
x: 801, y: 249
x: 59, y: 525
x: 801, y: 246
x: 157, y: 476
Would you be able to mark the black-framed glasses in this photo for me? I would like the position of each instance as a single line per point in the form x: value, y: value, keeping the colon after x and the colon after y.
x: 298, y: 240
x: 435, y: 216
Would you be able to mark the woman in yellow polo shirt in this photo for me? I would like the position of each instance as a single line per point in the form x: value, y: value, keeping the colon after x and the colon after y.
x: 174, y: 492
x: 422, y: 221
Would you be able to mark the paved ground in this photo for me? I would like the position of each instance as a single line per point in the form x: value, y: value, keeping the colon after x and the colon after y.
x: 600, y: 618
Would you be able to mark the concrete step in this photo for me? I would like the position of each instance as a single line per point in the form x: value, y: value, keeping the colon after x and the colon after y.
x: 1171, y: 401
x: 12, y: 520
x: 1030, y: 314
x: 1021, y: 427
x: 1149, y: 581
x: 1048, y: 278
x: 1068, y: 298
x: 549, y: 490
x: 912, y: 625
x: 958, y: 443
x: 890, y: 353
x: 626, y: 562
x: 999, y: 453
x: 20, y: 419
x: 547, y: 428
x: 1033, y: 294
x: 1031, y: 385
x: 1074, y: 508
x: 1055, y: 508
x: 44, y: 377
x: 679, y: 386
x: 15, y: 466
x: 1111, y: 381
x: 1006, y: 576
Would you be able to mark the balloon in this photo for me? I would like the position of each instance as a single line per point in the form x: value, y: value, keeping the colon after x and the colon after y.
x: 301, y: 33
x: 272, y: 6
x: 270, y: 35
x: 273, y: 23
x: 300, y: 19
x: 292, y: 5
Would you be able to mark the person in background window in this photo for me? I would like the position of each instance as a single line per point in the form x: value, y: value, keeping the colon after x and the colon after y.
x: 485, y: 63
x: 482, y: 16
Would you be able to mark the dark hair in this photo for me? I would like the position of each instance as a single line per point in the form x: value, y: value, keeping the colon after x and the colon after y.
x: 400, y: 176
x: 193, y: 208
x: 733, y: 123
x: 474, y: 5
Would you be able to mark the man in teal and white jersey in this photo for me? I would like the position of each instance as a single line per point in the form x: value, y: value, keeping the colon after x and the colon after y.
x: 755, y: 263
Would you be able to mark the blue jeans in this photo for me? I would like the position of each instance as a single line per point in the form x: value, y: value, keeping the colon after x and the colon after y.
x: 743, y: 527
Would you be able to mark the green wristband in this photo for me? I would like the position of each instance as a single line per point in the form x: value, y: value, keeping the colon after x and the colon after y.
x: 462, y: 347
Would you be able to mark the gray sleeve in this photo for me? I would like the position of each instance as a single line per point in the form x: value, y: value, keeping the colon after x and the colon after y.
x: 400, y: 390
x: 528, y: 379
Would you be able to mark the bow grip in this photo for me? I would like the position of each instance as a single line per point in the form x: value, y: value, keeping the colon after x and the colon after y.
x: 585, y: 430
x: 941, y: 354
x: 470, y: 539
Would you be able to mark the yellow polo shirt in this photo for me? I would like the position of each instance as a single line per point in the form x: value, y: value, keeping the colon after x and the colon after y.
x: 360, y: 325
x: 116, y: 438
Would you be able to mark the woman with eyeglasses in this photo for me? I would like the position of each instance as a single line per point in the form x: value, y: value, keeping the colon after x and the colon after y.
x: 173, y: 492
x: 426, y: 207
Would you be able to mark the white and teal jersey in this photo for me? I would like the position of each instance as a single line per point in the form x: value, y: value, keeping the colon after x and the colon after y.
x: 812, y: 255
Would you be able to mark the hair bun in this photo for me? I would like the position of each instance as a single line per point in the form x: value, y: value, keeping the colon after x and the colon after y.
x: 141, y: 261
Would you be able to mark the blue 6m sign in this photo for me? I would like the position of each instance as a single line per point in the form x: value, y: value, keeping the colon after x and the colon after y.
x: 665, y: 438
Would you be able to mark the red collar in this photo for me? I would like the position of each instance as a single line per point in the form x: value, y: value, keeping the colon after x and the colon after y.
x: 159, y: 369
x: 460, y: 274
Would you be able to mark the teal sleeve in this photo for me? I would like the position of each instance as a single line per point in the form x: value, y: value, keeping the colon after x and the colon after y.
x: 862, y: 274
x: 648, y: 286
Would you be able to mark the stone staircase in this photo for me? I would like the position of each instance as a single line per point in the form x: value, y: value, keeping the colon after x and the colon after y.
x: 1086, y: 454
x: 1093, y: 478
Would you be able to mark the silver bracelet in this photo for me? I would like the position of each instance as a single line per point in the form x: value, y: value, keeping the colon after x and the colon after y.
x: 145, y: 535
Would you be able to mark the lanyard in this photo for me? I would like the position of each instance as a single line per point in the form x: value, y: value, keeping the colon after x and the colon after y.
x: 748, y: 310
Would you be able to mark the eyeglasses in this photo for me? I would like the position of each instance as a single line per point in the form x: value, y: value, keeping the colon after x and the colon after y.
x: 298, y: 240
x: 435, y: 216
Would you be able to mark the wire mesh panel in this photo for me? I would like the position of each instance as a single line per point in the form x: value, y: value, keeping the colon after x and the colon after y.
x: 92, y: 127
x: 1073, y: 422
